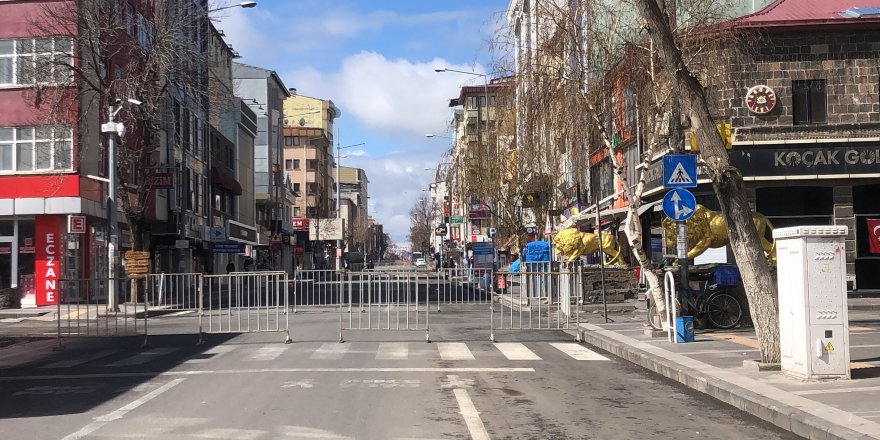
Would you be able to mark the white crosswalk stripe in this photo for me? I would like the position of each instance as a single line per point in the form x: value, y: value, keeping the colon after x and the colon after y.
x: 143, y: 357
x: 268, y: 353
x: 81, y: 360
x: 578, y: 352
x: 210, y: 354
x: 515, y: 351
x: 393, y: 351
x: 330, y: 351
x: 455, y: 351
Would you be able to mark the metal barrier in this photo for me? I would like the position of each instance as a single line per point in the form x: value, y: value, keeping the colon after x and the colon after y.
x: 672, y: 305
x: 173, y: 291
x: 463, y: 286
x: 82, y: 310
x: 385, y: 301
x: 316, y: 288
x: 537, y: 301
x: 245, y: 302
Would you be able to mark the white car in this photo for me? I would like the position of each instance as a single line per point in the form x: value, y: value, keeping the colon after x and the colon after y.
x: 420, y: 262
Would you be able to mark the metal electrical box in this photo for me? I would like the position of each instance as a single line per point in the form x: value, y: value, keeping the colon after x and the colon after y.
x: 813, y: 322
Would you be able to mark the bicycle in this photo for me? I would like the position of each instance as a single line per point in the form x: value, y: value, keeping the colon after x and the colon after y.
x: 716, y: 302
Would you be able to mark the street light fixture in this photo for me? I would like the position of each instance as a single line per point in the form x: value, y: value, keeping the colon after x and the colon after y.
x: 245, y: 5
x: 338, y: 198
x: 113, y: 129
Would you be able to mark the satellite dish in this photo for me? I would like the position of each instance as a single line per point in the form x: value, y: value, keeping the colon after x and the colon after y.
x: 302, y: 122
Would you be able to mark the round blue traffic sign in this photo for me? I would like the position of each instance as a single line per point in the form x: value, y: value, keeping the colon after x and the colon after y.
x: 679, y: 204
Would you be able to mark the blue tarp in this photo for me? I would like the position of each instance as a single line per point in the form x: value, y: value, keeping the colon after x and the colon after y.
x: 514, y: 267
x: 537, y: 251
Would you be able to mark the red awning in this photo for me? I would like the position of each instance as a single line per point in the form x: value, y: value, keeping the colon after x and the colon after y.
x: 223, y: 177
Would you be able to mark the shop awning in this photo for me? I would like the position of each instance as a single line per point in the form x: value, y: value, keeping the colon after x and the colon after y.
x: 604, y: 215
x: 223, y: 177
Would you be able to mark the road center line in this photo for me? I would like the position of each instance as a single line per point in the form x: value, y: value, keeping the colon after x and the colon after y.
x: 471, y: 415
x: 273, y: 370
x: 121, y: 412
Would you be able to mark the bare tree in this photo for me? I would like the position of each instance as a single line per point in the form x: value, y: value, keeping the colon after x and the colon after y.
x: 120, y: 52
x: 727, y: 181
x: 421, y: 229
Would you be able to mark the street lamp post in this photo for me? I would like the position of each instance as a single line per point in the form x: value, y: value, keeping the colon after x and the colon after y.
x: 112, y: 129
x: 338, y: 198
x: 245, y: 5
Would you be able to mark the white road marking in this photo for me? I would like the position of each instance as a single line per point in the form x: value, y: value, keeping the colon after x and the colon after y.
x: 469, y: 412
x: 210, y: 354
x: 81, y: 360
x: 515, y: 351
x: 381, y: 383
x: 271, y: 370
x: 121, y: 412
x: 143, y: 357
x: 305, y: 383
x: 393, y: 351
x: 454, y: 351
x: 578, y: 352
x: 330, y: 351
x: 268, y: 353
x: 452, y: 381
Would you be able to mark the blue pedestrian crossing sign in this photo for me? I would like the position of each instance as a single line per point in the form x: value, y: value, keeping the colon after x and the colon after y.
x: 679, y: 204
x: 680, y: 171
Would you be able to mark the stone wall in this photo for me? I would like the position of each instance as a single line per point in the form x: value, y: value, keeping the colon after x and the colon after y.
x: 620, y: 284
x: 847, y: 61
x: 10, y: 299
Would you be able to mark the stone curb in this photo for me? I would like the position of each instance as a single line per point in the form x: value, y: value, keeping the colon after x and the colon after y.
x: 734, y: 389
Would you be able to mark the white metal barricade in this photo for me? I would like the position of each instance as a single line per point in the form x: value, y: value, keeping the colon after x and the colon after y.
x: 82, y: 310
x: 458, y: 286
x: 245, y: 302
x: 389, y: 301
x: 316, y: 288
x: 173, y: 291
x: 537, y: 301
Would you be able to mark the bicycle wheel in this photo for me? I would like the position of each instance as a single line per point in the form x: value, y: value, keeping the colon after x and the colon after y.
x: 724, y: 310
x: 654, y: 318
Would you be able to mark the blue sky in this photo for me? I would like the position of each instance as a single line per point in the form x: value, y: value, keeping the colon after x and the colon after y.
x: 375, y: 60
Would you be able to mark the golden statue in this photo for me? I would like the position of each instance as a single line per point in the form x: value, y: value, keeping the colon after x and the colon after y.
x: 708, y: 229
x: 572, y: 244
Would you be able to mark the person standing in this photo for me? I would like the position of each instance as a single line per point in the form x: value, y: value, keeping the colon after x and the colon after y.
x: 230, y: 267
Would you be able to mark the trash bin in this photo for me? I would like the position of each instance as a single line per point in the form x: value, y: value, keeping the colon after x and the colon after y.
x: 684, y: 329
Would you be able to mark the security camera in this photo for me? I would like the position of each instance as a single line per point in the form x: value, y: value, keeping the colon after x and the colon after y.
x: 120, y: 129
x: 134, y: 101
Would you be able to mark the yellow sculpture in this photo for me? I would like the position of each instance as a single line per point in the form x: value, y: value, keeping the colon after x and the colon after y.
x: 708, y: 229
x: 571, y: 244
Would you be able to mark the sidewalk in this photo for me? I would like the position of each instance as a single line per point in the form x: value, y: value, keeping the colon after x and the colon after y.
x: 713, y: 364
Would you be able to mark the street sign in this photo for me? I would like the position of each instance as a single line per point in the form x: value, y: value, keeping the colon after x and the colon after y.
x: 440, y: 230
x: 491, y: 232
x: 217, y: 234
x: 680, y: 171
x: 679, y: 204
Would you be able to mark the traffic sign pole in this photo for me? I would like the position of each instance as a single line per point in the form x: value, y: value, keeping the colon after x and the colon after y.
x: 681, y: 244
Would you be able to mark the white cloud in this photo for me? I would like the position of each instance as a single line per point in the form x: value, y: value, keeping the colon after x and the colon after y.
x: 395, y: 97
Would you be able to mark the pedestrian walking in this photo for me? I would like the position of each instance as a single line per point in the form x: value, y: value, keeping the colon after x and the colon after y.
x: 230, y: 267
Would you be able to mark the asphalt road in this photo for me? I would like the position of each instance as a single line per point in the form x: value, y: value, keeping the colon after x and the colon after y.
x: 376, y: 385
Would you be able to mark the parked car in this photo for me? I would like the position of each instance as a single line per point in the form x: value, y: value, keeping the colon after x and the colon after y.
x: 420, y: 262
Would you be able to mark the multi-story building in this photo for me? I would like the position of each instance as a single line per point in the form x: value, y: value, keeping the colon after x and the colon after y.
x: 264, y: 92
x: 354, y: 198
x: 308, y: 157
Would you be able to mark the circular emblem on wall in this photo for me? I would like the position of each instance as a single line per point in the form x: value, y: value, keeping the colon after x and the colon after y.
x: 761, y: 100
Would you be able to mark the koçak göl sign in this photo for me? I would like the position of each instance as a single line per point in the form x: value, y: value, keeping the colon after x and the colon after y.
x: 815, y: 159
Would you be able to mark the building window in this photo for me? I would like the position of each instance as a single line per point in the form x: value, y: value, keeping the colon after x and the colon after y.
x: 35, y: 60
x: 312, y: 188
x: 296, y: 140
x: 310, y: 164
x: 288, y: 141
x: 297, y: 211
x: 35, y: 149
x: 296, y: 188
x: 809, y: 102
x: 288, y: 164
x: 296, y: 164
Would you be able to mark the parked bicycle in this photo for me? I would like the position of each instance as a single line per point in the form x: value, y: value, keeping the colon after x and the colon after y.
x: 718, y: 300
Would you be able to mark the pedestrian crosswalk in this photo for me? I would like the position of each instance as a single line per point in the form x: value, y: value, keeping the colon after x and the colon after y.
x: 322, y: 353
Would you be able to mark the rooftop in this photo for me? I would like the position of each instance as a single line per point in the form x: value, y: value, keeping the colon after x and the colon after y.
x: 808, y: 12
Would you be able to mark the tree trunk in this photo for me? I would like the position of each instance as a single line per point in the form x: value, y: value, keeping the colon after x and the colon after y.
x: 633, y: 231
x: 727, y: 183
